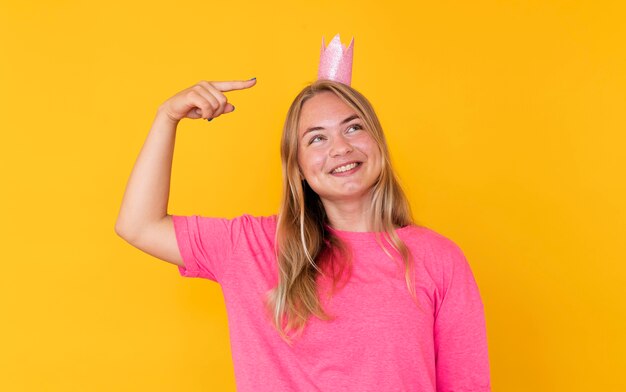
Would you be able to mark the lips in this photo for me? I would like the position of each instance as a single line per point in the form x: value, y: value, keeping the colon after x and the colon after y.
x: 344, y: 167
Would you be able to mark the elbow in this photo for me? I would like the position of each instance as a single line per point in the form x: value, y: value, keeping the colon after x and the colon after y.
x: 119, y: 230
x: 123, y: 231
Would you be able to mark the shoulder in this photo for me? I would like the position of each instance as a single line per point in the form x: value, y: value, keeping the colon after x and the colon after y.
x: 256, y: 222
x: 242, y: 222
x: 257, y: 228
x: 425, y: 238
x: 436, y: 251
x: 230, y: 229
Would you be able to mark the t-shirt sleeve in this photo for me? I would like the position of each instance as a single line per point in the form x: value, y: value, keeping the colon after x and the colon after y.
x: 205, y: 244
x: 460, y: 332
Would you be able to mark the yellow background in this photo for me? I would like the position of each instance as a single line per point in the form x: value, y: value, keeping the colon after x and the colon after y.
x: 506, y: 122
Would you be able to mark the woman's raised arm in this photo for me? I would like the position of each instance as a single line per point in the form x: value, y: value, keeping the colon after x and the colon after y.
x: 143, y: 220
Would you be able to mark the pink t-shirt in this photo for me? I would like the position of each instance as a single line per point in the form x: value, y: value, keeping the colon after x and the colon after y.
x: 379, y: 340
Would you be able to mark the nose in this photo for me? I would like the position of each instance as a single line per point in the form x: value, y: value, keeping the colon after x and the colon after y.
x: 340, y: 146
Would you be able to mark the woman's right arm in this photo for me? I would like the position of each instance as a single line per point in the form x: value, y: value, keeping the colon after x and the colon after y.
x: 143, y: 220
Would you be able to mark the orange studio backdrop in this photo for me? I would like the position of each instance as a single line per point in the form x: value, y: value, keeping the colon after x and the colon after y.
x: 506, y: 122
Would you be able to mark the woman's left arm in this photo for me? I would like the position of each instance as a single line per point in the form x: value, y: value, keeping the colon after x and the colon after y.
x: 460, y: 335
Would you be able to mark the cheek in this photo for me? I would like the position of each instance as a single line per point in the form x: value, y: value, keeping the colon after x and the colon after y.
x: 369, y: 147
x: 373, y: 153
x: 310, y: 161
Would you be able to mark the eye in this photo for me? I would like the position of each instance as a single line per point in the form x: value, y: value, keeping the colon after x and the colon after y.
x: 316, y: 138
x: 356, y: 127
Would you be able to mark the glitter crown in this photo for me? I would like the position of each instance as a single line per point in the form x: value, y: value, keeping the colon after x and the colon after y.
x: 336, y: 61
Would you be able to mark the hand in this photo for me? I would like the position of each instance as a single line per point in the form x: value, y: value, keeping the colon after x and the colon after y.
x: 203, y: 100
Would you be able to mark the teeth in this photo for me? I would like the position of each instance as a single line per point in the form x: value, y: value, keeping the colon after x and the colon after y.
x: 344, y: 168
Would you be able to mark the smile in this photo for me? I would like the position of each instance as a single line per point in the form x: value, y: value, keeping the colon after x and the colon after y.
x: 345, y: 168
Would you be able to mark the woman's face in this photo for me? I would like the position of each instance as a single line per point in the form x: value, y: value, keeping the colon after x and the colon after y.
x: 336, y: 153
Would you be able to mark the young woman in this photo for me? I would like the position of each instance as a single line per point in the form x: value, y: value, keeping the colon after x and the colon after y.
x: 340, y: 291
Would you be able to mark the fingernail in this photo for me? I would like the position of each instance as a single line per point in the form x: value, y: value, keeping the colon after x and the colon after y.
x: 252, y: 78
x: 233, y: 108
x: 209, y: 119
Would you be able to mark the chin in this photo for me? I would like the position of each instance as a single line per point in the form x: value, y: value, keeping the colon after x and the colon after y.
x: 356, y: 194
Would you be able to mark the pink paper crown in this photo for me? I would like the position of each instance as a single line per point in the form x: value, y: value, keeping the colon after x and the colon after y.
x: 336, y: 61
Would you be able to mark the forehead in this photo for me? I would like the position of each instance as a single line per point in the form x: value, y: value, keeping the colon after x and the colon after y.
x: 324, y: 109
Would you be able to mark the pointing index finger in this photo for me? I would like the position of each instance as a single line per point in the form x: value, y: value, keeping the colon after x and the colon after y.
x: 234, y: 84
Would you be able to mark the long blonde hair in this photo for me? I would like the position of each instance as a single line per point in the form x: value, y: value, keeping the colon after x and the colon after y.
x: 303, y: 241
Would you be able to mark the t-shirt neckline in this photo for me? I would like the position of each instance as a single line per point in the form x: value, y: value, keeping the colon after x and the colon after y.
x: 362, y: 235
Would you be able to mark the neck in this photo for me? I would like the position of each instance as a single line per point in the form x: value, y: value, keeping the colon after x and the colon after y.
x: 353, y: 215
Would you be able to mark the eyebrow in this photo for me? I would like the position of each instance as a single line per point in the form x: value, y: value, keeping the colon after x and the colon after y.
x: 348, y: 119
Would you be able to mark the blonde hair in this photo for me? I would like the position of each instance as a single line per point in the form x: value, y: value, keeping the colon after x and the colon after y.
x: 303, y: 242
